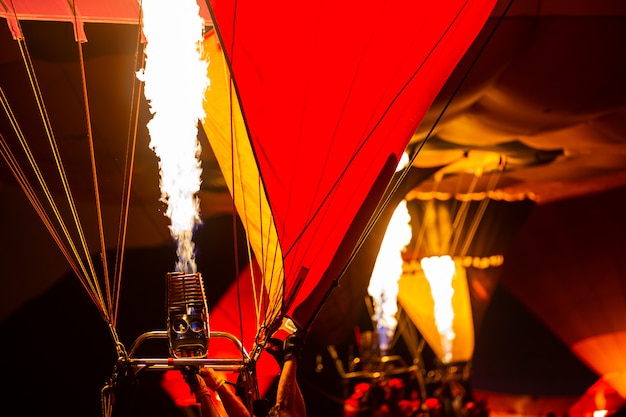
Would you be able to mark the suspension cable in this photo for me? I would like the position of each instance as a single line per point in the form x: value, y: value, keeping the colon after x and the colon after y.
x: 86, y: 273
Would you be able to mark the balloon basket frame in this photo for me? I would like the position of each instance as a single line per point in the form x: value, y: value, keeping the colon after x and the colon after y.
x: 219, y: 364
x: 128, y: 366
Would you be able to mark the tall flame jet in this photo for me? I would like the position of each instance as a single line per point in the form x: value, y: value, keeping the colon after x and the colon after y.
x: 175, y: 78
x: 383, y: 286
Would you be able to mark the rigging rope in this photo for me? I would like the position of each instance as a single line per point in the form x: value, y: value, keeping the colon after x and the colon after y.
x: 80, y: 261
x: 94, y: 173
x: 86, y: 274
x: 129, y: 163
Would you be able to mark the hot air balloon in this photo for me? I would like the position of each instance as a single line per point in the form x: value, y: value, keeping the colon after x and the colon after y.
x: 585, y: 309
x: 281, y: 77
x: 472, y: 230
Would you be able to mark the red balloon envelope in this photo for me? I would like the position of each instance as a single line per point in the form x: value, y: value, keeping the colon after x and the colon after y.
x: 309, y: 111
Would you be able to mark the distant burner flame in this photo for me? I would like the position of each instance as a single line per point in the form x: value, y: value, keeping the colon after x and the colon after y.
x: 439, y: 271
x: 383, y: 286
x: 175, y: 77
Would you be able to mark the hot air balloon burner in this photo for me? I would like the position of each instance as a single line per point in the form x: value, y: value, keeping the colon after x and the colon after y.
x: 187, y: 315
x: 456, y: 371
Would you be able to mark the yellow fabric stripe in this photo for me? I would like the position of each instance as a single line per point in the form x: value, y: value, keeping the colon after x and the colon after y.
x: 226, y: 131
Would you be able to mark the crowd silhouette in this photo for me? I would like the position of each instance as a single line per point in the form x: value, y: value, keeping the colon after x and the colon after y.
x: 391, y: 397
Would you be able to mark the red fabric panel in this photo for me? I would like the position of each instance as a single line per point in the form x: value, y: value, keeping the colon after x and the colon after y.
x: 235, y: 314
x: 110, y: 11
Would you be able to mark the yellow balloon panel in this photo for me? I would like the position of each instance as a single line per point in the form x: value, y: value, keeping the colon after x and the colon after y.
x: 416, y: 299
x: 227, y: 134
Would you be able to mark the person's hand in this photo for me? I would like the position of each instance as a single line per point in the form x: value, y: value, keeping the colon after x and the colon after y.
x: 201, y: 389
x: 211, y: 379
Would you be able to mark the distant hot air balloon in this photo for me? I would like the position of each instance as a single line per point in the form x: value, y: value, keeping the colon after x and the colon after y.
x: 573, y: 280
x: 445, y: 287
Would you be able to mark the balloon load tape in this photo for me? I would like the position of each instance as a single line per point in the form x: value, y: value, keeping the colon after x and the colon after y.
x: 187, y: 315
